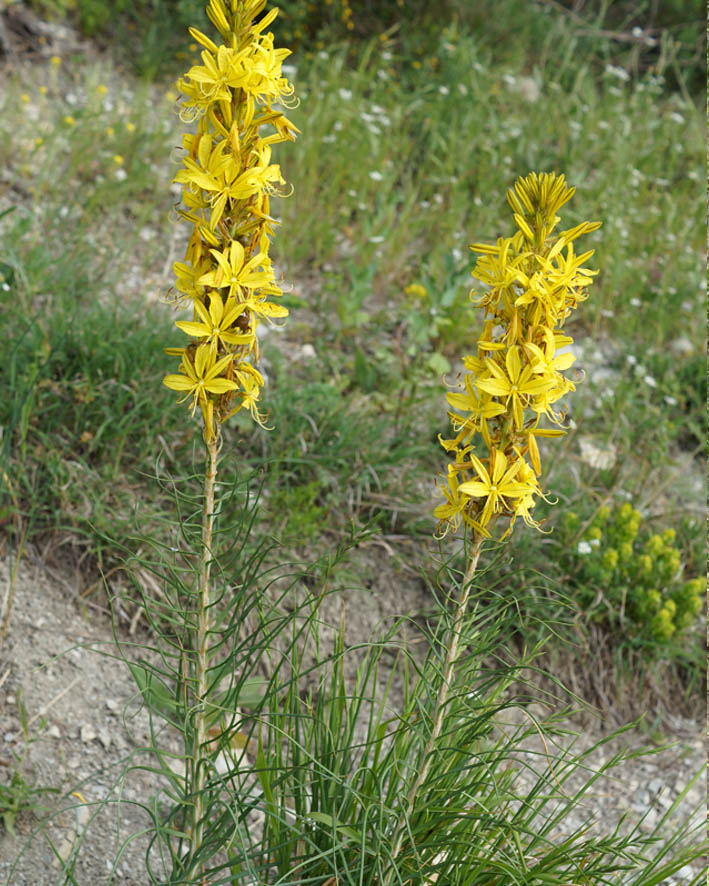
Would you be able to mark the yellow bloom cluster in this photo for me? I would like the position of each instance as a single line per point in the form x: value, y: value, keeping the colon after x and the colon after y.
x: 534, y: 281
x: 227, y: 180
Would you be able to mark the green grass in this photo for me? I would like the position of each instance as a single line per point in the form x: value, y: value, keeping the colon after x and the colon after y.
x: 403, y: 161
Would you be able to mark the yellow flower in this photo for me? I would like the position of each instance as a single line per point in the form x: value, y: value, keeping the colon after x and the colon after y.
x: 238, y: 274
x: 42, y: 90
x: 55, y: 60
x: 130, y: 126
x: 70, y: 121
x: 518, y: 385
x: 200, y: 378
x: 416, y: 290
x: 110, y: 132
x: 102, y: 89
x: 496, y: 487
x: 215, y: 324
x: 118, y: 160
x: 25, y: 98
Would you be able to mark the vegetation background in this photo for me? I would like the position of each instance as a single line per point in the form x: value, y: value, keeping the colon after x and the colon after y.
x: 414, y: 122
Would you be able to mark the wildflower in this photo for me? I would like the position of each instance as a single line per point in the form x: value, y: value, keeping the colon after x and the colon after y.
x: 534, y: 280
x: 416, y: 290
x: 102, y: 89
x: 55, y: 60
x: 24, y: 98
x: 118, y: 160
x: 70, y: 121
x: 228, y: 179
x: 42, y: 90
x: 376, y: 176
x: 130, y: 127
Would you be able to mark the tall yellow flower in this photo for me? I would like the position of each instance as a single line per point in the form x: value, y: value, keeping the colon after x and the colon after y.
x: 534, y: 281
x: 227, y: 180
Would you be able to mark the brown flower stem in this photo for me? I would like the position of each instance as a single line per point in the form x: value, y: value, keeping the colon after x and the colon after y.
x: 439, y: 709
x: 199, y: 760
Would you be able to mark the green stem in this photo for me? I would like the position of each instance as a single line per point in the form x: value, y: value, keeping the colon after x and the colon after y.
x: 439, y: 709
x: 199, y: 756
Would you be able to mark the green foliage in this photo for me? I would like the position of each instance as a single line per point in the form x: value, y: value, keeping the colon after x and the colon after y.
x: 19, y: 792
x: 324, y: 757
x: 629, y: 578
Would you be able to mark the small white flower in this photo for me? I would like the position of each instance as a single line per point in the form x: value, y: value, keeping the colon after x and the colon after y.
x: 345, y: 94
x: 584, y: 547
x: 575, y: 126
x: 338, y: 125
x: 457, y: 254
x: 670, y: 400
x: 376, y: 176
x: 595, y: 542
x: 462, y: 89
x: 322, y: 54
x: 650, y: 381
x: 351, y: 193
x: 121, y: 175
x: 425, y: 204
x: 635, y: 302
x: 383, y: 75
x: 329, y: 139
x: 606, y: 312
x: 289, y: 70
x: 676, y: 118
x: 631, y: 359
x: 509, y: 79
x: 604, y: 124
x: 620, y: 73
x: 443, y: 90
x: 377, y: 239
x: 63, y: 212
x: 5, y: 287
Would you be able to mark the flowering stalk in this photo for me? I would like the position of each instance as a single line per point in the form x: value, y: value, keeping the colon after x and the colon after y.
x: 512, y: 382
x: 227, y: 275
x: 516, y: 376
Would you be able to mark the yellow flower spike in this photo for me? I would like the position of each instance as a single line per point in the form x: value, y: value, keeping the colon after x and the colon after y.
x: 227, y: 178
x: 533, y: 283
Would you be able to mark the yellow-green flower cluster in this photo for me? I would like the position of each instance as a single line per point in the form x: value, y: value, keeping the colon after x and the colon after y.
x: 228, y: 179
x: 534, y: 281
x: 622, y: 578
